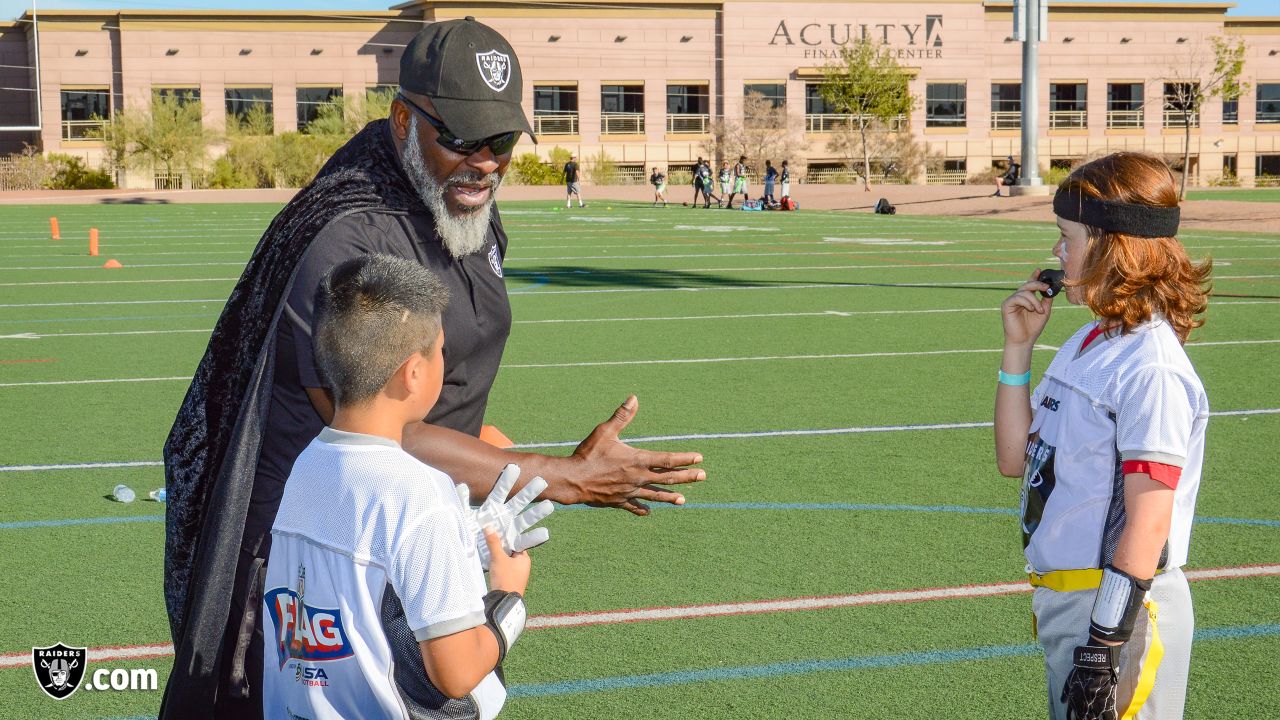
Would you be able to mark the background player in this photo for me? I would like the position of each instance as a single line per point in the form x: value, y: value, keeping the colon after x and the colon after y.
x: 1110, y: 445
x: 659, y: 182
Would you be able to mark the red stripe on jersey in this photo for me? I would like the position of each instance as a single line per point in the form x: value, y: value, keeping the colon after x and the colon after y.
x: 1093, y: 335
x: 1160, y: 472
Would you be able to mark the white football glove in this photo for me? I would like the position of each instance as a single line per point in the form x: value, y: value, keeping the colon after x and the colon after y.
x: 505, y: 516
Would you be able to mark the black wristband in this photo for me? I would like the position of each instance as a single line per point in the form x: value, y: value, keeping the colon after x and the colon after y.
x: 1115, y: 609
x: 505, y: 615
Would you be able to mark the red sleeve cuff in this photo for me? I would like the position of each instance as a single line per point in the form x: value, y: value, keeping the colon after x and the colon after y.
x: 1161, y: 473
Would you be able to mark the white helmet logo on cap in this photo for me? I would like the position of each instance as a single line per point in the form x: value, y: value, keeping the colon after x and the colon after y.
x: 495, y: 69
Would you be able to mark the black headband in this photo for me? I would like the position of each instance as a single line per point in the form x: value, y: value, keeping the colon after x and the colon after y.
x: 1139, y: 220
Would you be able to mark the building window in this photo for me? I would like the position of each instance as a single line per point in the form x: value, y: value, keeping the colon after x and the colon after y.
x: 1267, y: 173
x: 1268, y: 104
x: 688, y: 109
x: 1180, y: 105
x: 555, y: 109
x: 775, y: 93
x: 1230, y: 112
x: 944, y: 105
x: 621, y: 109
x: 1124, y: 105
x: 1006, y: 106
x: 814, y: 103
x: 311, y: 101
x: 183, y: 95
x: 249, y: 108
x: 84, y: 112
x: 1230, y: 166
x: 1067, y: 106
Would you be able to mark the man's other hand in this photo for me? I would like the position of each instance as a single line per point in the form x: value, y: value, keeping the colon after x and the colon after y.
x: 611, y: 473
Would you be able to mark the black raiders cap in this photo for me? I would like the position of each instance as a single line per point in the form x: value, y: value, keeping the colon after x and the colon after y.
x: 472, y: 76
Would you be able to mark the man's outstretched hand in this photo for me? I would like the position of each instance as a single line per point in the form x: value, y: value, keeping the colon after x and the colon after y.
x: 611, y: 473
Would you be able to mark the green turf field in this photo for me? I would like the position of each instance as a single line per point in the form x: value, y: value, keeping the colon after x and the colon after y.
x: 857, y: 354
x: 1270, y: 195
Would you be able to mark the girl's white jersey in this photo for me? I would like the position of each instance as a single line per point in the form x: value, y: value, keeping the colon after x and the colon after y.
x: 1128, y: 398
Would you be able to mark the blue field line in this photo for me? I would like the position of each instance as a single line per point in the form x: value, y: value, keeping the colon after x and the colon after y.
x: 805, y: 667
x: 538, y: 281
x: 25, y: 524
x: 770, y: 506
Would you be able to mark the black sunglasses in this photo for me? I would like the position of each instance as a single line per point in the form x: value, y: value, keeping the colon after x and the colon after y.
x: 500, y: 144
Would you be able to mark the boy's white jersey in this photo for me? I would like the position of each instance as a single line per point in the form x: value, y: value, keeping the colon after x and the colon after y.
x: 1131, y: 397
x: 370, y: 554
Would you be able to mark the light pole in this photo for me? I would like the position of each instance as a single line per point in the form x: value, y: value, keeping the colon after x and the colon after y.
x: 1029, y: 19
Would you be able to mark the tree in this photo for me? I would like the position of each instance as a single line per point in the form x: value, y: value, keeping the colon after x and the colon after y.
x: 1191, y: 84
x: 896, y: 152
x: 869, y: 85
x: 765, y: 133
x: 169, y: 135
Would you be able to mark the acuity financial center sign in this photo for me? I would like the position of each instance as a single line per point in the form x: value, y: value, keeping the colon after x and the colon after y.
x: 904, y: 41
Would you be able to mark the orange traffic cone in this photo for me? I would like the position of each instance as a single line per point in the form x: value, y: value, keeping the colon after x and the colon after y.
x: 53, y: 229
x: 93, y: 242
x: 112, y: 264
x: 494, y: 437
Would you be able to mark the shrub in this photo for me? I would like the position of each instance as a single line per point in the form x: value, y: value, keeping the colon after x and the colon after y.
x: 529, y: 169
x: 27, y: 170
x: 603, y: 170
x: 70, y: 173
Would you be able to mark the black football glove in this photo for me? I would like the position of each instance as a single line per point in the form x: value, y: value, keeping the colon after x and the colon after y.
x: 1090, y: 690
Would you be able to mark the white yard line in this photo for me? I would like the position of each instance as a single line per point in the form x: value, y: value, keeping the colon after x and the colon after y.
x: 694, y: 612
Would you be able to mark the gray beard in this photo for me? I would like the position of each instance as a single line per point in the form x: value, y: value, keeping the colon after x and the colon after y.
x: 463, y: 234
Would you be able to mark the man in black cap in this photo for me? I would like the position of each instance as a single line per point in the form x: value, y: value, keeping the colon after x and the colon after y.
x: 418, y: 185
x: 1010, y: 177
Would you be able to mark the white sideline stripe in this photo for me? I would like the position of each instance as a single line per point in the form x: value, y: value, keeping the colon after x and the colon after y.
x: 693, y: 612
x: 672, y: 318
x: 37, y: 336
x: 106, y: 654
x: 833, y: 356
x: 117, y: 282
x: 840, y: 601
x: 219, y: 301
x: 656, y: 438
x: 98, y: 382
x: 535, y: 274
x: 833, y: 431
x: 81, y: 466
x: 755, y: 358
x: 126, y: 267
x: 672, y: 361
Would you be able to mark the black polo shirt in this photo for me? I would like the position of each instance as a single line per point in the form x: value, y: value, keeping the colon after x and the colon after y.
x: 476, y: 321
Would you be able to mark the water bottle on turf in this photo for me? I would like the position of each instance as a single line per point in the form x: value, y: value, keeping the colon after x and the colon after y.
x: 122, y: 493
x: 160, y: 495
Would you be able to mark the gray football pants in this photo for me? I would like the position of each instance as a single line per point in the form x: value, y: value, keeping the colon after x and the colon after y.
x: 1062, y: 619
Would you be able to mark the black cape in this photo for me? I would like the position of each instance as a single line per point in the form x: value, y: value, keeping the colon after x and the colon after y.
x: 211, y: 454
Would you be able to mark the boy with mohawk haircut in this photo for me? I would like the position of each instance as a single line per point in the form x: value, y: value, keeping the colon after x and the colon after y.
x: 374, y: 589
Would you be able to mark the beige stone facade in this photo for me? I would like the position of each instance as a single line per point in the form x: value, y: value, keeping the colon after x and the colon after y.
x: 642, y: 80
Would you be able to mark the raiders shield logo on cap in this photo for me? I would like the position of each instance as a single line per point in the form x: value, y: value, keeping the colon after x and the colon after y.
x: 495, y: 69
x: 59, y: 669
